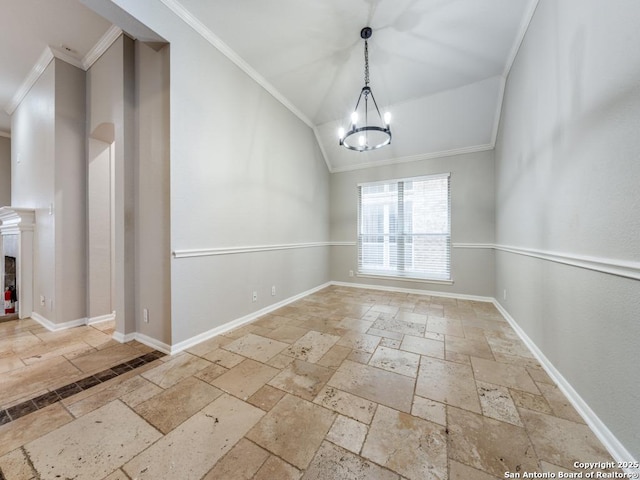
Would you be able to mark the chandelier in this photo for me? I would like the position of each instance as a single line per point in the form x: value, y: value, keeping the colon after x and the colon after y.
x: 375, y: 131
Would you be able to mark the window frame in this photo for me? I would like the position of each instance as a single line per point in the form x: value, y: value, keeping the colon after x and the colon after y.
x: 399, y: 271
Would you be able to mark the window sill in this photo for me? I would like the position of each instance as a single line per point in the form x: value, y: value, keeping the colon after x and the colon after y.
x: 404, y: 279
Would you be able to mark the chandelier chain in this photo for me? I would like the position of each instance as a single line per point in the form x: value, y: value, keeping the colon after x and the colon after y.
x: 366, y: 63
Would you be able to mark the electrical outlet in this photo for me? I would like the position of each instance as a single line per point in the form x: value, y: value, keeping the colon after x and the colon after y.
x: 145, y: 315
x: 273, y: 291
x: 255, y: 296
x: 504, y: 294
x: 351, y: 273
x: 42, y: 300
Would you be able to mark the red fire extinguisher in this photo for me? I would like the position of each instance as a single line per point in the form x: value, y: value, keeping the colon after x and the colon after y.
x: 8, y: 304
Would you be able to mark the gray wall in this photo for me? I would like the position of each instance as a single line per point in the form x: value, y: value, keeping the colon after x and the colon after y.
x: 472, y: 221
x: 153, y: 241
x: 567, y: 176
x: 244, y: 172
x: 48, y: 173
x: 5, y: 171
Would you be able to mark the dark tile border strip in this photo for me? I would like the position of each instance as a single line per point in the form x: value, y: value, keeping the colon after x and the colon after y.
x: 29, y: 406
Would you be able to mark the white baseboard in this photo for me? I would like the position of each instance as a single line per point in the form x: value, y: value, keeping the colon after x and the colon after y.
x: 185, y: 344
x: 53, y: 327
x: 460, y: 296
x: 153, y: 343
x: 608, y: 439
x: 101, y: 318
x: 124, y: 338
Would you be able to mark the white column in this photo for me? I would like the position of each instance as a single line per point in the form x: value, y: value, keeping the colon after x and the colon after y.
x: 21, y: 222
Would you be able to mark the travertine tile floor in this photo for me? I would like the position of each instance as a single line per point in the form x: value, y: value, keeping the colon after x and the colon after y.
x: 343, y: 384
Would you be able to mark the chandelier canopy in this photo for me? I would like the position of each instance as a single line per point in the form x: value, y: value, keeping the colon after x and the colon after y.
x: 368, y: 130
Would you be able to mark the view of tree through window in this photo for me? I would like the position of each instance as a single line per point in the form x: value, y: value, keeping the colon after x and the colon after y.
x: 404, y: 228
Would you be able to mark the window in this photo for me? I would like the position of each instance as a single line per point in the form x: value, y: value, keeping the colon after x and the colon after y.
x: 404, y: 228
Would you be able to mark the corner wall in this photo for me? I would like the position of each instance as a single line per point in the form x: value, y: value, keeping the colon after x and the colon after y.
x: 247, y: 176
x: 48, y: 175
x: 567, y: 202
x: 472, y: 221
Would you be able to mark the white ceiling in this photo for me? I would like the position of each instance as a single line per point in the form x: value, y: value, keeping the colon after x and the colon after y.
x: 437, y: 65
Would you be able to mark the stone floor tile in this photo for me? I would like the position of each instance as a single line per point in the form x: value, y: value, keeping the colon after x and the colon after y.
x: 275, y: 468
x: 281, y: 361
x: 346, y: 404
x: 92, y: 446
x: 385, y: 334
x: 410, y: 446
x: 460, y: 471
x: 293, y: 430
x: 312, y: 346
x: 445, y: 326
x: 447, y: 382
x: 509, y: 346
x: 286, y: 333
x: 399, y: 326
x: 489, y: 445
x: 530, y: 401
x: 266, y: 398
x: 473, y: 347
x: 511, y: 376
x: 303, y: 379
x: 208, y: 346
x: 80, y: 405
x: 189, y: 451
x: 10, y: 363
x: 559, y: 403
x: 256, y: 347
x: 210, y: 373
x: 380, y: 386
x: 241, y: 463
x: 179, y: 402
x: 333, y: 462
x: 435, y: 412
x: 422, y: 346
x: 355, y: 324
x: 405, y: 316
x: 223, y: 358
x: 142, y: 393
x: 176, y: 369
x: 390, y: 343
x: 25, y: 429
x: 117, y: 475
x: 539, y: 375
x: 28, y: 381
x: 348, y: 433
x: 96, y: 361
x: 496, y: 402
x: 245, y: 379
x: 397, y: 361
x: 15, y: 466
x: 359, y: 356
x: 334, y: 357
x: 457, y: 357
x: 359, y: 341
x: 562, y: 442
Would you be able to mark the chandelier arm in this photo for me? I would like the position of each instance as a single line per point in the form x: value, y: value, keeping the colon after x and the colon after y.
x: 376, y: 105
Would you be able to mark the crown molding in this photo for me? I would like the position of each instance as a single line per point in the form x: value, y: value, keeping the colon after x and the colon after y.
x: 415, y: 158
x: 102, y: 46
x: 524, y: 26
x: 187, y: 17
x: 33, y: 76
x: 50, y: 53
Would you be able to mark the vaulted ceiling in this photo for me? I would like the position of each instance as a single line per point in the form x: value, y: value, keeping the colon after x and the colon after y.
x: 438, y: 65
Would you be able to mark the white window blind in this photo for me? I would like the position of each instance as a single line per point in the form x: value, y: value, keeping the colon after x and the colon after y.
x: 404, y: 228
